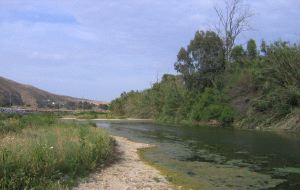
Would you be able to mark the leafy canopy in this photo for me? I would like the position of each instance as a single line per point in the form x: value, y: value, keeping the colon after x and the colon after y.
x: 201, y: 61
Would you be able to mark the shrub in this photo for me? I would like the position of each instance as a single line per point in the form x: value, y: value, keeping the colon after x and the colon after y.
x: 227, y: 116
x: 293, y: 96
x: 262, y: 105
x: 211, y: 105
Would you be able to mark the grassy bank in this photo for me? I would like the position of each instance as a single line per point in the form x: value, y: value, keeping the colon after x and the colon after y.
x: 37, y: 151
x: 93, y: 115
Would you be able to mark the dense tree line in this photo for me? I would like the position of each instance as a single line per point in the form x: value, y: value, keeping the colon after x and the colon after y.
x: 207, y: 84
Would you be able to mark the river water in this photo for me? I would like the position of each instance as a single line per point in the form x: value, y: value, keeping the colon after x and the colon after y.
x: 216, y: 158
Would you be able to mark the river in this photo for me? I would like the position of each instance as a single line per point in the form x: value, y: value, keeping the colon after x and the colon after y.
x: 217, y: 158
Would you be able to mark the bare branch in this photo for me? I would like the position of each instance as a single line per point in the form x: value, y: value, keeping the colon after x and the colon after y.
x: 233, y: 20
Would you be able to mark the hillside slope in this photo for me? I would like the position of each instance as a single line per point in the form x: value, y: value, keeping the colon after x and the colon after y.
x: 13, y: 93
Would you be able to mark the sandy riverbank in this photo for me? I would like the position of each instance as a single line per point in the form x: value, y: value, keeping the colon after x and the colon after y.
x: 128, y: 173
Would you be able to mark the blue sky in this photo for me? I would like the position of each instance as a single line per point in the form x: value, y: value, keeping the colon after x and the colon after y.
x: 99, y: 48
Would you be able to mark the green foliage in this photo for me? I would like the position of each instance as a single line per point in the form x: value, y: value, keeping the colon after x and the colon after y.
x: 263, y: 47
x: 38, y: 119
x: 283, y: 64
x: 202, y: 60
x: 170, y: 102
x: 259, y: 89
x: 16, y: 122
x: 164, y: 97
x: 211, y: 105
x: 9, y: 123
x: 278, y: 84
x: 238, y: 53
x: 91, y: 115
x: 251, y: 49
x: 279, y: 101
x: 48, y: 154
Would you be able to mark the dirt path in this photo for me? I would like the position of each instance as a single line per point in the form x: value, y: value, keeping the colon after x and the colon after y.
x: 128, y: 173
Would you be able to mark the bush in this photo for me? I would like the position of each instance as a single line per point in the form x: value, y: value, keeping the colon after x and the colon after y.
x: 283, y: 62
x: 227, y: 116
x: 293, y: 96
x: 279, y: 102
x: 262, y: 105
x: 211, y: 105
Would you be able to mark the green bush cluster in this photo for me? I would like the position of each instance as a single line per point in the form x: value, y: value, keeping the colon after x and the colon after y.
x: 279, y: 102
x: 211, y: 105
x: 278, y: 80
x: 170, y: 102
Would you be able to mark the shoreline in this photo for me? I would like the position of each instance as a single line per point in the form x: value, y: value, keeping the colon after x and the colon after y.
x: 103, y: 119
x: 275, y: 128
x: 129, y: 172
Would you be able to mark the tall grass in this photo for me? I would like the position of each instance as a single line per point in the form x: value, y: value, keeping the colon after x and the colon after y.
x: 46, y: 154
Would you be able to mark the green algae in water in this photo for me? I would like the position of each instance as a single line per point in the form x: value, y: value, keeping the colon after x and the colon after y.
x: 209, y: 158
x: 205, y: 175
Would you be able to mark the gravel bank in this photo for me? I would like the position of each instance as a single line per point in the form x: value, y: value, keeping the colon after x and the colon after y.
x: 128, y: 173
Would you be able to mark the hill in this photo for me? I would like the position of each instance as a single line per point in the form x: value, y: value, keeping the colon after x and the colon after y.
x: 15, y: 94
